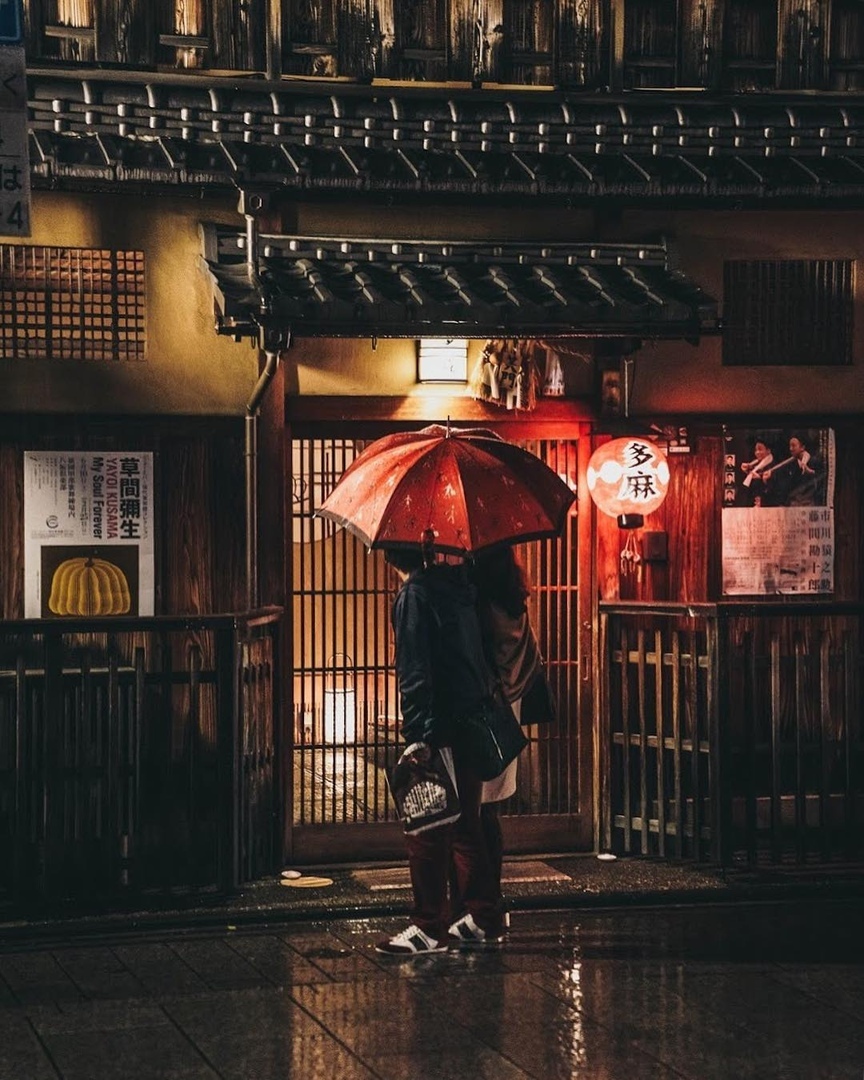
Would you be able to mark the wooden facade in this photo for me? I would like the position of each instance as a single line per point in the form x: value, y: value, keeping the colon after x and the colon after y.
x: 138, y: 756
x: 644, y: 146
x: 729, y: 732
x: 583, y: 44
x: 200, y: 561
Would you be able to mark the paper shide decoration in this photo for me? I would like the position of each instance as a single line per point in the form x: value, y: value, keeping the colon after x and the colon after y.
x: 514, y: 372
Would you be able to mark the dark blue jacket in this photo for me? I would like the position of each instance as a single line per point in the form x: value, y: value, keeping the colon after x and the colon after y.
x: 440, y: 662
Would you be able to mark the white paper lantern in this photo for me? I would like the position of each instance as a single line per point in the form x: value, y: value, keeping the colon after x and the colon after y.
x: 628, y: 478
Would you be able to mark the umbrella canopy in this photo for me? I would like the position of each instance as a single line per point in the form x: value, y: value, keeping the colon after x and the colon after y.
x: 472, y: 489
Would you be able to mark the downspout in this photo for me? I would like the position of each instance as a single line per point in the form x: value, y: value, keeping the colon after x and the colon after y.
x: 271, y: 366
x: 272, y: 343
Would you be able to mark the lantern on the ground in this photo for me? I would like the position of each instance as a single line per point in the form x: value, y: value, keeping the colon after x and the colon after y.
x: 340, y: 702
x: 627, y: 479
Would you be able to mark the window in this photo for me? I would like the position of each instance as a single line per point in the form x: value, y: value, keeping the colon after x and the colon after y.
x: 791, y: 312
x: 650, y: 43
x: 750, y: 44
x: 71, y: 303
x: 846, y: 53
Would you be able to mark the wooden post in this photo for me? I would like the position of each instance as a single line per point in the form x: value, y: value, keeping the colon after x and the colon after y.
x: 125, y: 32
x: 719, y: 733
x: 273, y: 39
x: 228, y: 758
x: 52, y: 758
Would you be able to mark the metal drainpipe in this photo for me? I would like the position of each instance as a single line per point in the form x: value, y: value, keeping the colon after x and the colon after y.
x: 251, y: 457
x: 272, y: 344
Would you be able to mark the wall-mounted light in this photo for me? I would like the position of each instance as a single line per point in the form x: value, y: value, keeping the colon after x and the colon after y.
x: 442, y: 360
x: 628, y: 478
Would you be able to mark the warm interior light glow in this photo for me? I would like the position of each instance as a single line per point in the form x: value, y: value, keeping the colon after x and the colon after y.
x: 442, y: 360
x: 628, y: 478
x: 340, y: 715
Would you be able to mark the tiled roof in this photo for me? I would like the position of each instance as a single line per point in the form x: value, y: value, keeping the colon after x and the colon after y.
x: 206, y: 131
x: 332, y: 287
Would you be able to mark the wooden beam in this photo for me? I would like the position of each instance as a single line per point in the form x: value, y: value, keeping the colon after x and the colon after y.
x: 339, y: 409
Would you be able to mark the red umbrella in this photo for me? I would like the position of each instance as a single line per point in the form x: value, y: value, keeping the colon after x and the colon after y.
x: 472, y: 489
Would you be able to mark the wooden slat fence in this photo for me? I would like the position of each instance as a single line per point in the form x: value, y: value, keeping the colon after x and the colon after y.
x: 138, y: 756
x: 733, y: 733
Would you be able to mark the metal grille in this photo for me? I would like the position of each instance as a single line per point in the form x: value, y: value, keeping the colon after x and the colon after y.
x: 789, y: 312
x: 71, y: 303
x: 346, y: 706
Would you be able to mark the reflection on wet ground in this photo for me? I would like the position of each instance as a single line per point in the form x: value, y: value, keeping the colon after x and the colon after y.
x: 774, y: 991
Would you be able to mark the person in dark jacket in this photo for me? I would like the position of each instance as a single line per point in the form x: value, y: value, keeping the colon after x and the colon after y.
x: 799, y: 478
x: 442, y: 674
x: 513, y: 654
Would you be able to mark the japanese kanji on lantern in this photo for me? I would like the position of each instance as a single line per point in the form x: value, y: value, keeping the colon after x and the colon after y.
x: 627, y: 479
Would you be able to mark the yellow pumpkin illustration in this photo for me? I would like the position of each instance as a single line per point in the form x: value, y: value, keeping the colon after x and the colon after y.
x: 89, y: 587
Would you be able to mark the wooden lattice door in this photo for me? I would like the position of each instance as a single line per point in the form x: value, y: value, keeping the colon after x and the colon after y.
x: 345, y: 704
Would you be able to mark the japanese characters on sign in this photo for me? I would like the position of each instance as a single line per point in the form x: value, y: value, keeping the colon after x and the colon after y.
x: 628, y: 476
x: 14, y: 150
x: 778, y: 511
x: 88, y: 520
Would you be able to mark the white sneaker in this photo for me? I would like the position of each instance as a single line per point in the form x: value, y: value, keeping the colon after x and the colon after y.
x: 410, y: 942
x: 466, y: 932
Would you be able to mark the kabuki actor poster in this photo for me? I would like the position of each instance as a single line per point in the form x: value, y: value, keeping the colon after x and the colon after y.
x: 778, y: 511
x: 88, y: 534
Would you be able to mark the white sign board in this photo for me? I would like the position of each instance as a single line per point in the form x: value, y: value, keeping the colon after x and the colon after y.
x: 14, y: 151
x: 778, y: 550
x: 88, y: 534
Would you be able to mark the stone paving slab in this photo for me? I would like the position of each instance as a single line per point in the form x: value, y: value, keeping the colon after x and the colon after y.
x: 723, y: 991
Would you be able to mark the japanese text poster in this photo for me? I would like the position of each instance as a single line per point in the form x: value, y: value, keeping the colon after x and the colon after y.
x: 778, y: 511
x: 88, y: 534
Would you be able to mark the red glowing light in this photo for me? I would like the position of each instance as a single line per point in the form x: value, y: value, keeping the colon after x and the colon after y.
x: 628, y: 477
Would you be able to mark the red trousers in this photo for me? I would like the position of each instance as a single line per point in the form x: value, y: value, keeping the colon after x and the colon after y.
x: 461, y: 844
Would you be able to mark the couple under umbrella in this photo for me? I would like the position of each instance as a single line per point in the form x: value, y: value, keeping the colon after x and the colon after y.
x: 472, y: 494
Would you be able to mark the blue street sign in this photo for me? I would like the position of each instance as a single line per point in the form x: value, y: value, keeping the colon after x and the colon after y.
x: 11, y: 22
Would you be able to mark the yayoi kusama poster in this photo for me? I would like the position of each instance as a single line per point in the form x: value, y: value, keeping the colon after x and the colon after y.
x: 88, y: 531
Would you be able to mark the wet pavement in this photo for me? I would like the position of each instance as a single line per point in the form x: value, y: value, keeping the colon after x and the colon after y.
x: 574, y: 882
x: 772, y: 989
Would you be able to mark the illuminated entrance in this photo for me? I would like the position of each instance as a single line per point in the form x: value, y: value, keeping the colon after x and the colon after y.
x: 345, y: 709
